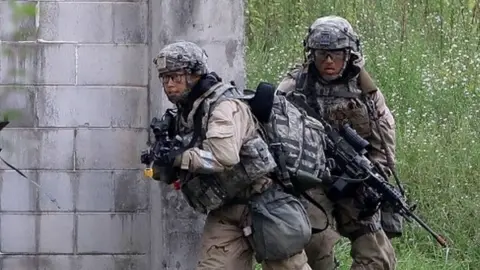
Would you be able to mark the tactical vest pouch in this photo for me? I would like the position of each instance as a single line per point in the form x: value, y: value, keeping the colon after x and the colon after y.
x: 203, y: 193
x: 280, y: 225
x: 352, y: 112
x: 360, y: 120
x: 206, y: 192
x: 256, y: 158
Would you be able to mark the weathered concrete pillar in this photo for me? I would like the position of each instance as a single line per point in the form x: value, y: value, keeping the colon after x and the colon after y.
x: 87, y: 95
x: 218, y: 26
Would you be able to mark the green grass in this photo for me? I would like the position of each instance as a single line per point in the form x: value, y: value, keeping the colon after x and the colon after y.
x: 424, y: 55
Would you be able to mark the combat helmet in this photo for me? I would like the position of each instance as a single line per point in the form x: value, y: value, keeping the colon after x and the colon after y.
x: 335, y: 33
x: 332, y: 33
x: 182, y: 55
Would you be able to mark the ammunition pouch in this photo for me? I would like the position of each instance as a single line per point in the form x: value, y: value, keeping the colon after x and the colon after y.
x: 392, y: 223
x: 206, y: 192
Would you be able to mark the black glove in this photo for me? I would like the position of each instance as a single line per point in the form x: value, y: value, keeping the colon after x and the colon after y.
x: 163, y: 167
x: 146, y: 157
x: 167, y: 159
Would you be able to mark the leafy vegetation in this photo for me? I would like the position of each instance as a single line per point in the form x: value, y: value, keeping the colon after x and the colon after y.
x: 20, y: 26
x: 425, y: 56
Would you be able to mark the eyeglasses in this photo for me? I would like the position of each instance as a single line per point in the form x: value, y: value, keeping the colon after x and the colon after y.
x: 322, y: 55
x: 176, y: 77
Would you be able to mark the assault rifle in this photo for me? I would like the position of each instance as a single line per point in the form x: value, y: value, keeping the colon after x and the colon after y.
x: 165, y: 147
x: 163, y: 143
x: 346, y: 151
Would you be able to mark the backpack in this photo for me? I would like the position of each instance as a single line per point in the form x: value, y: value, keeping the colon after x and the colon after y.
x: 296, y: 140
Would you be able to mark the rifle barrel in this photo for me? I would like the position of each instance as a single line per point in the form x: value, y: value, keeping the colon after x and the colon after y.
x: 440, y: 239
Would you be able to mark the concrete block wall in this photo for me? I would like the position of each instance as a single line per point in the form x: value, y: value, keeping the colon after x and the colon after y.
x: 84, y: 102
x: 87, y: 95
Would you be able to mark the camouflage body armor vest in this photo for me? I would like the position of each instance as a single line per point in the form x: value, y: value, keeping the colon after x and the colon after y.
x: 338, y: 104
x: 208, y: 191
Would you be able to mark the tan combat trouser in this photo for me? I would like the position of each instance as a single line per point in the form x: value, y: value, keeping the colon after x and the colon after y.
x: 371, y: 251
x: 224, y: 246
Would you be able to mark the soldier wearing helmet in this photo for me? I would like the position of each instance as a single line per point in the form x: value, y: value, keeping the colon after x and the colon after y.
x: 221, y: 159
x: 180, y: 66
x: 340, y: 90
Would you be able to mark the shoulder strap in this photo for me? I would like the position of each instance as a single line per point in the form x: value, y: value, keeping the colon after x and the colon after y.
x: 200, y: 101
x: 213, y: 95
x: 300, y: 78
x: 365, y: 82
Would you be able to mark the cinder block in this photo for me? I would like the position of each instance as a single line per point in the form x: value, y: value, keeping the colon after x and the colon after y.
x: 60, y: 186
x: 17, y: 233
x: 109, y: 148
x: 37, y: 63
x: 44, y: 262
x: 74, y: 262
x: 130, y: 22
x: 113, y: 233
x: 27, y: 149
x: 72, y: 106
x: 18, y: 102
x: 96, y: 191
x: 24, y: 29
x: 17, y: 193
x: 112, y: 65
x: 68, y: 22
x: 56, y: 233
x: 115, y: 262
x: 37, y: 149
x: 18, y: 262
x: 122, y: 190
x: 131, y: 190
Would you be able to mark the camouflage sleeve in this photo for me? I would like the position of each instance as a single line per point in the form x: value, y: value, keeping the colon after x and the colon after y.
x: 288, y: 82
x: 229, y: 125
x: 387, y: 127
x: 286, y: 85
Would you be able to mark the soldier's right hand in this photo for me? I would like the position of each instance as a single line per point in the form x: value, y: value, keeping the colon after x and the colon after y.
x: 145, y: 157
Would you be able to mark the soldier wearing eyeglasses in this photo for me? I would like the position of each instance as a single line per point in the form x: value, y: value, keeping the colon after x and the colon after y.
x: 224, y: 159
